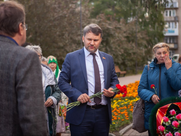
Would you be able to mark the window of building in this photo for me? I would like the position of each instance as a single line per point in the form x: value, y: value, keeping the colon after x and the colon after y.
x: 170, y: 13
x: 175, y: 4
x: 172, y: 25
x: 171, y: 39
x: 172, y: 5
x: 166, y: 13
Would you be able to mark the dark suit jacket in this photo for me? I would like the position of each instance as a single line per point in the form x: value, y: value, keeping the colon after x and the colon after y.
x: 21, y: 94
x: 74, y: 72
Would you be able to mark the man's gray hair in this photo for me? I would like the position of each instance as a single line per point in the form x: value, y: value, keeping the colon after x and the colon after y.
x: 35, y: 48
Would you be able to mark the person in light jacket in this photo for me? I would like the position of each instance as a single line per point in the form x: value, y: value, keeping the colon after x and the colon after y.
x: 164, y: 74
x: 52, y: 93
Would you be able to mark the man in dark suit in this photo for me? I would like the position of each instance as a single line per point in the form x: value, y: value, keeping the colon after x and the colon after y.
x: 85, y: 72
x: 22, y: 110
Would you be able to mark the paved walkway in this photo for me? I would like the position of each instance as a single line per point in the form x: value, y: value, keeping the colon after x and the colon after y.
x: 65, y: 134
x: 124, y: 81
x: 132, y: 132
x: 129, y: 79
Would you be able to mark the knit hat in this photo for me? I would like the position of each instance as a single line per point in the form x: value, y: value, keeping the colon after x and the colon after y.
x: 52, y: 59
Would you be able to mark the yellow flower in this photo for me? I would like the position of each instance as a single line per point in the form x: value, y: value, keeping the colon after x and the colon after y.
x: 122, y: 107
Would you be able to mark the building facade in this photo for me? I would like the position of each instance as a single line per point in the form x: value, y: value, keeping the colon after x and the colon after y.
x: 172, y: 33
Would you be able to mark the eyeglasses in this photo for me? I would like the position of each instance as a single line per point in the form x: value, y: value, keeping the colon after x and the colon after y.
x: 25, y: 26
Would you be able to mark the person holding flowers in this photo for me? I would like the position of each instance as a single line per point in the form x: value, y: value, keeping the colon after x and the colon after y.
x: 161, y: 79
x: 85, y: 72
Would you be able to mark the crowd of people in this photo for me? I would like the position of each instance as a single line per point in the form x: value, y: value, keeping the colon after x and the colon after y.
x: 32, y: 85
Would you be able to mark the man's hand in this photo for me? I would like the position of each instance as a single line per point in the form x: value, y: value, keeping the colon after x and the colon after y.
x: 49, y: 102
x: 168, y: 62
x: 83, y: 98
x: 155, y: 99
x: 109, y: 92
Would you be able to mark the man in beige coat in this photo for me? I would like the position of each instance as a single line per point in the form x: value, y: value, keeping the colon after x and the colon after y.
x: 22, y: 110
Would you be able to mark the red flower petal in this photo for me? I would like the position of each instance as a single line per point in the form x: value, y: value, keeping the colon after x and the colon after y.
x: 122, y: 89
x: 118, y: 86
x: 152, y: 86
x: 124, y: 95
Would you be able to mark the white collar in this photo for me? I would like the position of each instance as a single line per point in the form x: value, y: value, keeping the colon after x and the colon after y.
x: 87, y: 53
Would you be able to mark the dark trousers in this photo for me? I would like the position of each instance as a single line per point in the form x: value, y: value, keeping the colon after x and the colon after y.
x: 149, y: 133
x: 95, y: 123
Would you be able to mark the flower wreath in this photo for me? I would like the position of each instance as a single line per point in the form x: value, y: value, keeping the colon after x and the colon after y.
x: 165, y: 118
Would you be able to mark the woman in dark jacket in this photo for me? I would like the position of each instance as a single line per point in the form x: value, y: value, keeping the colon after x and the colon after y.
x: 164, y: 74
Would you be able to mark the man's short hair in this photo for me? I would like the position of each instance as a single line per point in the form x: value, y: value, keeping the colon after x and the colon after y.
x: 94, y: 28
x: 11, y: 15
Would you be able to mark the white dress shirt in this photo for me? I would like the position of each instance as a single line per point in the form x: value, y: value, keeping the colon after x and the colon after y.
x: 90, y: 75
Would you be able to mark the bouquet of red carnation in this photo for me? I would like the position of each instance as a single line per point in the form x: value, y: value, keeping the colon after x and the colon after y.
x: 119, y: 89
x: 122, y: 89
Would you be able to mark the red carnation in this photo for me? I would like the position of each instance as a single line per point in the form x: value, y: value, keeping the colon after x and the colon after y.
x: 161, y: 128
x: 175, y: 124
x: 118, y: 86
x: 169, y: 134
x: 152, y: 86
x: 177, y: 134
x: 178, y: 116
x: 122, y: 89
x: 172, y: 112
x: 124, y: 95
x: 165, y: 119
